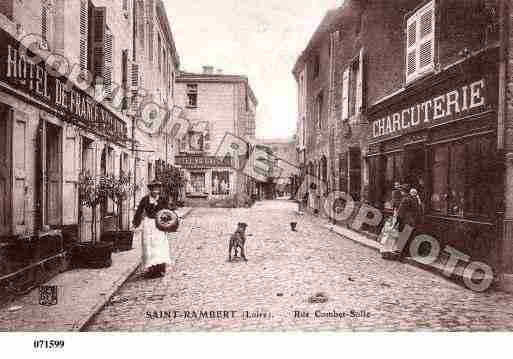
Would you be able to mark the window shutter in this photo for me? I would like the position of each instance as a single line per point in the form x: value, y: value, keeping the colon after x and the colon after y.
x: 426, y: 38
x: 345, y: 94
x: 108, y: 65
x: 135, y: 84
x: 5, y: 169
x: 359, y: 84
x: 84, y: 34
x: 44, y: 23
x: 150, y: 42
x: 98, y: 43
x: 411, y: 47
x: 420, y: 41
x: 71, y: 169
x: 19, y: 154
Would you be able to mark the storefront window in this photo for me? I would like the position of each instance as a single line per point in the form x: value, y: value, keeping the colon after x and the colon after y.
x: 439, y: 179
x: 220, y: 182
x: 464, y: 178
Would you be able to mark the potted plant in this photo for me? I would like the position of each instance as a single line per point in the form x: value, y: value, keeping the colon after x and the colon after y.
x: 92, y: 254
x: 118, y: 189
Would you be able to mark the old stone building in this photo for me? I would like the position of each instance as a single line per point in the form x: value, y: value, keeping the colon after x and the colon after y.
x: 217, y: 106
x: 417, y: 94
x: 71, y: 91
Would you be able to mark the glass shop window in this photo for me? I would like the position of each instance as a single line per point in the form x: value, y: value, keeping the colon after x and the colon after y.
x: 464, y: 178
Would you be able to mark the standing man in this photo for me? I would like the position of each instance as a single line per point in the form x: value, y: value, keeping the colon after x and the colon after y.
x: 410, y: 211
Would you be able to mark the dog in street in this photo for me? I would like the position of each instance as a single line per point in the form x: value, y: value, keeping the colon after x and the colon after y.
x: 238, y: 241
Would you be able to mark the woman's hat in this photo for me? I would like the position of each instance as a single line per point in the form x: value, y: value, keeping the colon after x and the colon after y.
x: 154, y: 184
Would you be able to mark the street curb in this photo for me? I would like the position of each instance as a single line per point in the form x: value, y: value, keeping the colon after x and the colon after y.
x: 81, y: 324
x: 354, y: 236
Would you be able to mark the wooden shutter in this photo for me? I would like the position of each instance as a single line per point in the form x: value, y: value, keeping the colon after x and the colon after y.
x: 426, y: 38
x: 19, y: 155
x: 108, y: 65
x: 345, y: 94
x: 5, y: 169
x: 44, y: 22
x: 359, y: 83
x: 84, y: 33
x: 420, y: 41
x: 71, y: 169
x: 151, y: 44
x: 135, y: 84
x: 98, y: 28
x: 411, y: 47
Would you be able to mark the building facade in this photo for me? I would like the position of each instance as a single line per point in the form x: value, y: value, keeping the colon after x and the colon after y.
x: 284, y: 167
x: 418, y: 97
x: 66, y: 86
x: 216, y: 106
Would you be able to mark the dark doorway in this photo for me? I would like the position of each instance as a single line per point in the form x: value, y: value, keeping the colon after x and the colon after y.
x: 415, y: 168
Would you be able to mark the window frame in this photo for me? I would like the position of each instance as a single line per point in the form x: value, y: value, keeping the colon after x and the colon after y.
x: 415, y: 16
x: 190, y: 92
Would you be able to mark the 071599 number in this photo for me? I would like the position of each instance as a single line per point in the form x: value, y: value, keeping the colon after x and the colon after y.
x: 48, y: 344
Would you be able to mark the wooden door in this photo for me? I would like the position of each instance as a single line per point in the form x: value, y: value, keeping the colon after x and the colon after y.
x: 53, y: 175
x: 71, y: 170
x: 87, y: 165
x: 19, y: 156
x: 5, y: 169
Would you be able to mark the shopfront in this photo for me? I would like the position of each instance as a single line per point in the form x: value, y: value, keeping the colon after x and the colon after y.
x: 208, y: 176
x: 440, y: 137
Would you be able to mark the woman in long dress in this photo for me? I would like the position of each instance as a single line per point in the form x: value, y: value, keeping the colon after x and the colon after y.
x: 155, y: 244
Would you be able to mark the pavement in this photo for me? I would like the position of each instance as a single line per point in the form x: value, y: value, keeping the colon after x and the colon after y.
x: 310, y: 280
x: 81, y: 294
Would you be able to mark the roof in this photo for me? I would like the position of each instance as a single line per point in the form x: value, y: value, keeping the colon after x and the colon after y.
x: 216, y: 78
x: 162, y: 16
x: 331, y: 21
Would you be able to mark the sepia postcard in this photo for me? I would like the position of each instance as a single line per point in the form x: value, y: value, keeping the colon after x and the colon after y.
x: 255, y: 166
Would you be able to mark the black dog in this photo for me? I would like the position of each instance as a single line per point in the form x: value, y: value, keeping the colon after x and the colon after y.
x: 238, y: 240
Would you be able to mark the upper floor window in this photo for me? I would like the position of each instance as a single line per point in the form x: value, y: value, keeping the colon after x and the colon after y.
x: 318, y: 110
x: 316, y: 65
x: 159, y: 52
x: 352, y: 88
x: 420, y: 39
x: 192, y: 95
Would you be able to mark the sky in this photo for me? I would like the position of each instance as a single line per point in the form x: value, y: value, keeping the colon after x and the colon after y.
x: 261, y: 39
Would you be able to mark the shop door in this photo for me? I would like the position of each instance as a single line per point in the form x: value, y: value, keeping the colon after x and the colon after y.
x: 5, y: 169
x: 53, y: 175
x: 198, y: 182
x: 87, y: 165
x: 414, y: 170
x: 355, y: 172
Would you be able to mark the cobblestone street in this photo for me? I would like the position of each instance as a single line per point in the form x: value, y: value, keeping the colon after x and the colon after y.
x: 284, y: 270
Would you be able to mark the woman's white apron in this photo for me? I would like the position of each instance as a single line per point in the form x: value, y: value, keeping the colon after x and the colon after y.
x: 155, y: 244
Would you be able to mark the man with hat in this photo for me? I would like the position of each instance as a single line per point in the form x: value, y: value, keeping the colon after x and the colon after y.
x: 410, y: 210
x: 154, y: 241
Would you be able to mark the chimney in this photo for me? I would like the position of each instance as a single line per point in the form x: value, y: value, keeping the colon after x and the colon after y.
x: 208, y: 70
